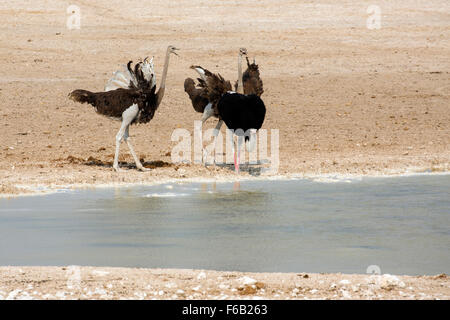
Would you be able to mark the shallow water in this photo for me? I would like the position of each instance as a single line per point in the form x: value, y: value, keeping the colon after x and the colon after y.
x: 399, y: 224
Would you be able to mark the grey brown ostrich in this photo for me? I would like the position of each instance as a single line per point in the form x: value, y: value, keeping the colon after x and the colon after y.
x: 130, y: 97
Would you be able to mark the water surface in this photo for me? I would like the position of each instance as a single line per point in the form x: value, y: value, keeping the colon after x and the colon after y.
x: 399, y: 224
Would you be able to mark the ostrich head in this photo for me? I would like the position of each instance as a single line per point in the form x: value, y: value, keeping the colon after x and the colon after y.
x: 242, y: 52
x: 171, y: 49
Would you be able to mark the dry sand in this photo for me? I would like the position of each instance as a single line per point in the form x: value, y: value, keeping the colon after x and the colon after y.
x: 347, y: 100
x: 127, y: 283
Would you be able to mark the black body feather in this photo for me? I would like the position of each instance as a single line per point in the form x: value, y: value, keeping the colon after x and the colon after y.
x: 240, y: 111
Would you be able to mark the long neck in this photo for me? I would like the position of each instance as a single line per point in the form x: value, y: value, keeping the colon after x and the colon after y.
x: 162, y: 86
x: 240, y: 88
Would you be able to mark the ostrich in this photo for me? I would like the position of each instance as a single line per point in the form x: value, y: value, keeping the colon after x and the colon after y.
x: 242, y: 112
x: 250, y: 117
x: 199, y: 95
x: 130, y: 97
x: 212, y: 89
x: 205, y: 97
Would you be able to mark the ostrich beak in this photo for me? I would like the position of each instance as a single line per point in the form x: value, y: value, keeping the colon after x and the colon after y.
x: 173, y: 51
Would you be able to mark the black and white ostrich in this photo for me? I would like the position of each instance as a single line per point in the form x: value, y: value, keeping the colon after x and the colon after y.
x: 213, y: 97
x: 245, y: 115
x: 130, y: 96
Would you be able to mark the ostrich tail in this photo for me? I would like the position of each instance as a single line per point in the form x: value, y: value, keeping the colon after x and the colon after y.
x: 82, y: 96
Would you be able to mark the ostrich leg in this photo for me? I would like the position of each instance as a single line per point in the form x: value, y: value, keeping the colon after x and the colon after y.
x: 119, y: 138
x: 251, y: 140
x: 233, y: 148
x: 207, y: 113
x: 127, y: 117
x: 139, y: 165
x: 238, y: 160
x: 215, y: 134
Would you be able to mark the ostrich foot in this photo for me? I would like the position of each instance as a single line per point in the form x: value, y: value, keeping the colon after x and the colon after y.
x: 143, y: 169
x: 117, y: 169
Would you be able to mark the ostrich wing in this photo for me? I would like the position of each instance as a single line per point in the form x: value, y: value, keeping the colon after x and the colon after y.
x: 121, y: 79
x: 140, y: 77
x: 198, y: 96
x: 210, y: 88
x: 216, y: 86
x: 204, y: 73
x: 251, y: 80
x: 148, y: 71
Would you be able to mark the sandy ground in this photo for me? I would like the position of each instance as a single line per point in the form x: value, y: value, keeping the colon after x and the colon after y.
x: 124, y: 283
x: 346, y: 99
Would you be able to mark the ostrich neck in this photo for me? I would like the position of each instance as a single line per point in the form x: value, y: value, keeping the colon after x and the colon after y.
x: 239, y: 86
x: 162, y: 86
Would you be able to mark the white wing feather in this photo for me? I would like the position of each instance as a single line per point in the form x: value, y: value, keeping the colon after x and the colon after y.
x: 123, y: 78
x: 201, y: 72
x: 120, y: 79
x: 148, y: 69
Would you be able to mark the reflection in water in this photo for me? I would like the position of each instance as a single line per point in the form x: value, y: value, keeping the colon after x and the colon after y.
x: 399, y: 224
x: 126, y: 201
x: 205, y: 187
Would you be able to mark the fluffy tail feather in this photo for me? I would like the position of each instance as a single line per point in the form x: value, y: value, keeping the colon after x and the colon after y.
x: 82, y: 96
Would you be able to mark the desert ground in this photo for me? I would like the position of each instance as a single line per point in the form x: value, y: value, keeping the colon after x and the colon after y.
x: 72, y: 282
x: 347, y: 99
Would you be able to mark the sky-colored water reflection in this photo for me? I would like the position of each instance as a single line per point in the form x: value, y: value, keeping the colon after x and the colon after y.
x: 400, y: 224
